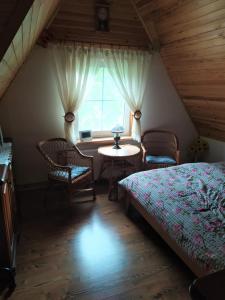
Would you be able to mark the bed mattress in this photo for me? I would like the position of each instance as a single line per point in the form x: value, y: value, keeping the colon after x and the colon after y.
x: 189, y: 203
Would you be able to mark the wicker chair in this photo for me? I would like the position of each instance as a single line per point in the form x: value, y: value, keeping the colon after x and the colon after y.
x: 67, y: 165
x: 160, y: 149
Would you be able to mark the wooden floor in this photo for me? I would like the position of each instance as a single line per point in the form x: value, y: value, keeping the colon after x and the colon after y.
x: 93, y: 251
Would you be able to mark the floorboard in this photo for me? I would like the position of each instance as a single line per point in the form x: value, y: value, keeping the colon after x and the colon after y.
x: 92, y: 250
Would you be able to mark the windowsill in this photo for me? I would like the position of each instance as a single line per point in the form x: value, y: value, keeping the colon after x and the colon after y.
x: 95, y: 142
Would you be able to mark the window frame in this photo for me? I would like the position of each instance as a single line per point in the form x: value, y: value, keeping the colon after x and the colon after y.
x: 127, y: 115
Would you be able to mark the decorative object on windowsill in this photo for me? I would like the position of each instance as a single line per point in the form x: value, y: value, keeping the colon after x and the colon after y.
x: 69, y: 117
x: 198, y: 147
x: 137, y: 114
x: 85, y: 135
x: 102, y: 16
x: 117, y: 130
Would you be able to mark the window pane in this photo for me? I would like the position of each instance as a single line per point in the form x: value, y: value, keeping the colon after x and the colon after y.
x: 95, y: 93
x: 112, y: 114
x: 110, y: 91
x: 90, y: 116
x: 103, y: 107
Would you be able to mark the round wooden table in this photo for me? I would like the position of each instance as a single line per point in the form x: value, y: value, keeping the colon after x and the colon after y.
x: 116, y: 158
x: 124, y: 152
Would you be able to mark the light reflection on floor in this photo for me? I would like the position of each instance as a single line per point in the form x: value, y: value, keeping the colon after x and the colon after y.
x: 99, y: 249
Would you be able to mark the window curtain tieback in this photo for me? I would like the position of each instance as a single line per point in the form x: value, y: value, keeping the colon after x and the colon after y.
x: 137, y: 114
x: 69, y: 117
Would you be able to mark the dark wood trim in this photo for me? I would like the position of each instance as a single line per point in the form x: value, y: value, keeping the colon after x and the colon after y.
x: 15, y: 20
x: 149, y: 28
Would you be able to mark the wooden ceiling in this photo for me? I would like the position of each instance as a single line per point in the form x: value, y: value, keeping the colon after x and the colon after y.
x: 75, y: 21
x: 191, y: 34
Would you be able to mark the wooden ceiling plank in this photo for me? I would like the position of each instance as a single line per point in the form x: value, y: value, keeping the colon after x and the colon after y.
x: 202, y: 29
x: 200, y: 24
x: 192, y: 32
x: 210, y: 123
x: 194, y: 64
x: 185, y: 17
x: 192, y: 67
x: 211, y: 133
x: 194, y: 80
x: 216, y: 52
x: 141, y: 3
x: 159, y: 7
x: 183, y: 41
x: 105, y: 41
x: 205, y: 100
x: 86, y: 34
x: 149, y: 28
x: 216, y: 91
x: 202, y: 45
x: 88, y: 26
x: 207, y: 111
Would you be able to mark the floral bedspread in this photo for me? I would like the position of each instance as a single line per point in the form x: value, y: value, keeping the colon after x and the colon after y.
x: 189, y: 203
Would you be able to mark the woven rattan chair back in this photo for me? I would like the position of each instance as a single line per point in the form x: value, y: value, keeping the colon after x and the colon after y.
x: 67, y: 164
x: 160, y: 143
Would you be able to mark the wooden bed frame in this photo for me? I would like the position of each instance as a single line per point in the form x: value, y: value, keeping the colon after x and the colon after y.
x: 191, y: 263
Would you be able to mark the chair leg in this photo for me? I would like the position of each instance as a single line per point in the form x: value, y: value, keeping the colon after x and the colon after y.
x: 93, y: 185
x: 69, y: 195
x: 46, y: 196
x: 94, y: 190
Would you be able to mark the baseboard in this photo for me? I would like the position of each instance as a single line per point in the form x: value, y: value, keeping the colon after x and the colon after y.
x: 43, y: 185
x: 31, y: 186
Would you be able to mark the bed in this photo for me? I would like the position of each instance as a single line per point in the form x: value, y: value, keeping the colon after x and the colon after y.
x: 185, y: 204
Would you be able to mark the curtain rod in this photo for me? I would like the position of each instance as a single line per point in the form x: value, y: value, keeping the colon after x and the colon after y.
x: 103, y: 45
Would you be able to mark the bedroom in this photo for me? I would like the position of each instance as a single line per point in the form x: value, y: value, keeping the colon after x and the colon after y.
x: 185, y: 94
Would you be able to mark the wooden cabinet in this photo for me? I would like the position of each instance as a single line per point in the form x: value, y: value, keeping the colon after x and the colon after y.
x: 8, y: 228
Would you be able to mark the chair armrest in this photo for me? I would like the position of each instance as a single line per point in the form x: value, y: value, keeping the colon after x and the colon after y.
x: 84, y: 156
x: 75, y: 157
x: 60, y: 167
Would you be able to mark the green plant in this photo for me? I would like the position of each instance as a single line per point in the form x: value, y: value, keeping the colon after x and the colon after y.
x: 197, y: 148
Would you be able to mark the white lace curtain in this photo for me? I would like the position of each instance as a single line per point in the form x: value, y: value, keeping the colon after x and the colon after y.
x: 75, y: 67
x: 130, y: 72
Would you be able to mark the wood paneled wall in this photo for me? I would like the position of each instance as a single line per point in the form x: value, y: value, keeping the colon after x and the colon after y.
x: 191, y: 34
x: 75, y: 21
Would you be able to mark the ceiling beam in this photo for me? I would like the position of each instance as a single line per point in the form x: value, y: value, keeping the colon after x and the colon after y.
x: 149, y: 27
x: 14, y: 22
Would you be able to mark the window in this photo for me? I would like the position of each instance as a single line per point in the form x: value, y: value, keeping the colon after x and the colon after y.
x: 103, y: 107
